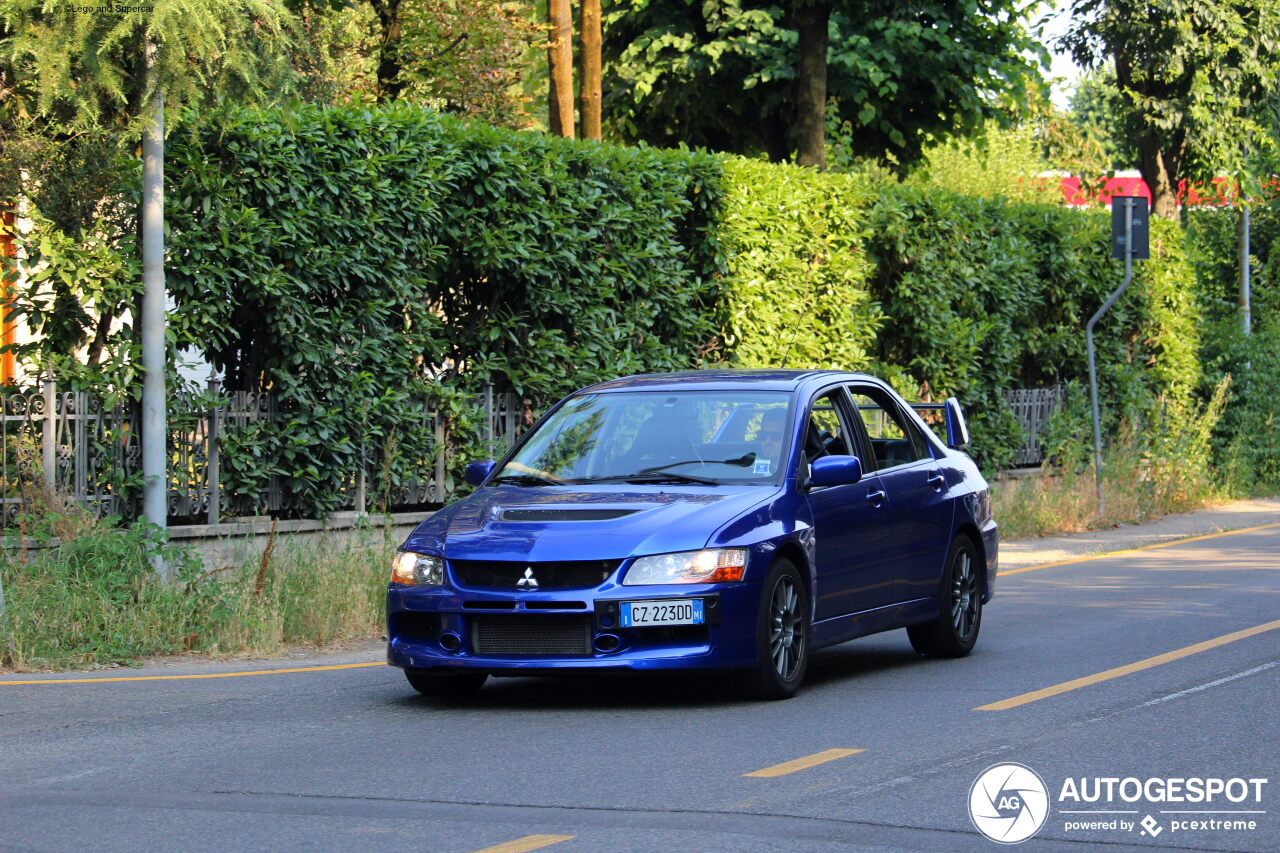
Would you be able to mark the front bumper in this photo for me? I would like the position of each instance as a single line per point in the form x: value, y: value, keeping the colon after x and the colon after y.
x: 424, y: 625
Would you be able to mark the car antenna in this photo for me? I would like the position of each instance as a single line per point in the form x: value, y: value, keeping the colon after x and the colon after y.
x: 786, y: 353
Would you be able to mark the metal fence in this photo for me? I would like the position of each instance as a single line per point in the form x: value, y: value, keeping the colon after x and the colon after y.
x: 72, y: 444
x: 1033, y: 407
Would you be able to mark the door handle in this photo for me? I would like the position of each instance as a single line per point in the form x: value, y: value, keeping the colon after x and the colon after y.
x: 937, y: 480
x: 875, y: 498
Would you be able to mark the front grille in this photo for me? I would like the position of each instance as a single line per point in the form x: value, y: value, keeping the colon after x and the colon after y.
x: 575, y: 574
x: 531, y: 635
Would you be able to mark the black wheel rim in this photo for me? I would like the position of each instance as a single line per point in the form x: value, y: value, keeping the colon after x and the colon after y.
x: 964, y: 594
x: 786, y: 629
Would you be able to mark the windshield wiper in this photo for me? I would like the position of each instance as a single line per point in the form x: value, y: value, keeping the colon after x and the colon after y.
x: 528, y: 480
x: 654, y: 476
x: 741, y: 461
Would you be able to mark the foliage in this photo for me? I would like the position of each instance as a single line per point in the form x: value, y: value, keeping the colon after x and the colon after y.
x: 481, y: 76
x: 796, y: 284
x: 79, y: 260
x: 588, y: 255
x: 1102, y: 113
x: 985, y: 295
x: 398, y: 255
x: 1002, y: 163
x: 1160, y: 460
x: 1248, y: 437
x: 325, y: 305
x: 82, y: 67
x: 1196, y: 75
x: 468, y: 57
x: 721, y: 74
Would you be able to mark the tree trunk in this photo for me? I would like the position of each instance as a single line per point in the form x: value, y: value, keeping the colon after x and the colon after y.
x: 389, y: 83
x: 812, y: 21
x: 560, y: 64
x: 589, y: 80
x: 1160, y: 156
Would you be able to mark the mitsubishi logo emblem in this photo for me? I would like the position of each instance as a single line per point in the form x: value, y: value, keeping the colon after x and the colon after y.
x: 528, y: 581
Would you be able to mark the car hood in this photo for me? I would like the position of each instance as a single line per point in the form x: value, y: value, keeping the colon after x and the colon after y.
x: 649, y: 520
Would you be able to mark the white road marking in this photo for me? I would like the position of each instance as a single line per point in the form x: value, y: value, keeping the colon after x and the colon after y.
x: 1214, y: 683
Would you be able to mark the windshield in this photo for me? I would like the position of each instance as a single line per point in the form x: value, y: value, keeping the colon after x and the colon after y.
x: 645, y: 436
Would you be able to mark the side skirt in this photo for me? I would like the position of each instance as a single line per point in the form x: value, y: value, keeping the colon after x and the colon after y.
x: 839, y: 629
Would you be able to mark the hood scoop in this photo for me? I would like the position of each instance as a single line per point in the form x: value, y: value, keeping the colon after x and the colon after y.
x: 565, y: 514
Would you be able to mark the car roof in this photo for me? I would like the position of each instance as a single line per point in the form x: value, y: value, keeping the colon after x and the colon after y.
x: 764, y: 379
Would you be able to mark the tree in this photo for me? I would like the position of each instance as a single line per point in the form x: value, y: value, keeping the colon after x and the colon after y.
x: 560, y: 68
x: 749, y: 76
x: 591, y: 69
x: 1101, y: 113
x: 89, y: 67
x: 468, y: 57
x: 1195, y: 75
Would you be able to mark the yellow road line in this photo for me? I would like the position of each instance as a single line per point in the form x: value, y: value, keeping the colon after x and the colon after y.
x: 798, y: 764
x: 196, y: 677
x: 526, y: 843
x: 1127, y: 551
x: 1127, y: 669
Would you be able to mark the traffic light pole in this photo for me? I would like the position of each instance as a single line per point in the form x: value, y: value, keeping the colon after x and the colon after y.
x: 1093, y: 367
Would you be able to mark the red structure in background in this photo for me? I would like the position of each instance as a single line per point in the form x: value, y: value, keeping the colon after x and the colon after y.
x: 7, y: 374
x: 1221, y: 191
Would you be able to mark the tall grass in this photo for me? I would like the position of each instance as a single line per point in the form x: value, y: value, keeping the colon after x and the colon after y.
x: 1153, y: 466
x: 94, y: 598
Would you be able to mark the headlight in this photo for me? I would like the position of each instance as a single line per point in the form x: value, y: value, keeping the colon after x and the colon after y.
x: 412, y: 569
x: 724, y: 564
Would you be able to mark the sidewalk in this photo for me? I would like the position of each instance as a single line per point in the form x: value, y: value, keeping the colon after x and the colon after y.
x: 1049, y: 549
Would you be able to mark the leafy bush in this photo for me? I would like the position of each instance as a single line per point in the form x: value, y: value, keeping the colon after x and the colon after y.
x: 983, y: 295
x: 795, y: 284
x: 393, y: 252
x: 1247, y: 440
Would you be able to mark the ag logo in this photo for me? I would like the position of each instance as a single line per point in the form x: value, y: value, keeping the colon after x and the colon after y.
x: 1008, y: 803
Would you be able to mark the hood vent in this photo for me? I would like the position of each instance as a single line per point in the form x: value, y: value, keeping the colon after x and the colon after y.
x: 566, y: 514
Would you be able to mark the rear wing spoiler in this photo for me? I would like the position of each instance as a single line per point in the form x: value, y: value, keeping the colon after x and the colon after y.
x: 949, y: 416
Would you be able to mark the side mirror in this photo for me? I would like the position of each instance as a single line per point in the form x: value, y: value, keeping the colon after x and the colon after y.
x: 957, y: 430
x: 835, y: 470
x: 478, y: 472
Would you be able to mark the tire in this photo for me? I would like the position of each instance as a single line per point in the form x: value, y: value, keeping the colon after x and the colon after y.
x: 434, y: 684
x: 782, y: 635
x: 955, y: 631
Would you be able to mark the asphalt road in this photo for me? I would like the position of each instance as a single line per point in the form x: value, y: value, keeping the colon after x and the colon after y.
x: 352, y: 759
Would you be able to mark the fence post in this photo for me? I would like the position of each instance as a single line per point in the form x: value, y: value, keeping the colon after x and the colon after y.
x: 215, y: 459
x: 48, y: 438
x: 360, y: 483
x: 488, y: 414
x: 440, y: 460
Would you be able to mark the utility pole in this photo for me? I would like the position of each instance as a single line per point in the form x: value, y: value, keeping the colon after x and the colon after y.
x: 1128, y: 220
x: 155, y: 433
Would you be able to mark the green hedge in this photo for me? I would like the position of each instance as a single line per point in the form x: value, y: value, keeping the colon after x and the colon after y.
x: 1247, y: 440
x: 984, y: 295
x: 795, y: 267
x: 349, y: 257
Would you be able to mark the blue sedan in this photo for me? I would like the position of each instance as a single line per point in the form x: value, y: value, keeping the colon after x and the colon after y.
x: 711, y: 520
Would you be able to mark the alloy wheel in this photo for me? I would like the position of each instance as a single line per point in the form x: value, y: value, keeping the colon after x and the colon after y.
x: 964, y: 594
x: 786, y: 635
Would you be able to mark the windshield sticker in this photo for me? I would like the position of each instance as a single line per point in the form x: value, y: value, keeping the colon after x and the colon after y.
x: 761, y: 466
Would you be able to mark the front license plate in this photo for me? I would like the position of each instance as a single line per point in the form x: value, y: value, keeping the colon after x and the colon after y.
x: 684, y: 611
